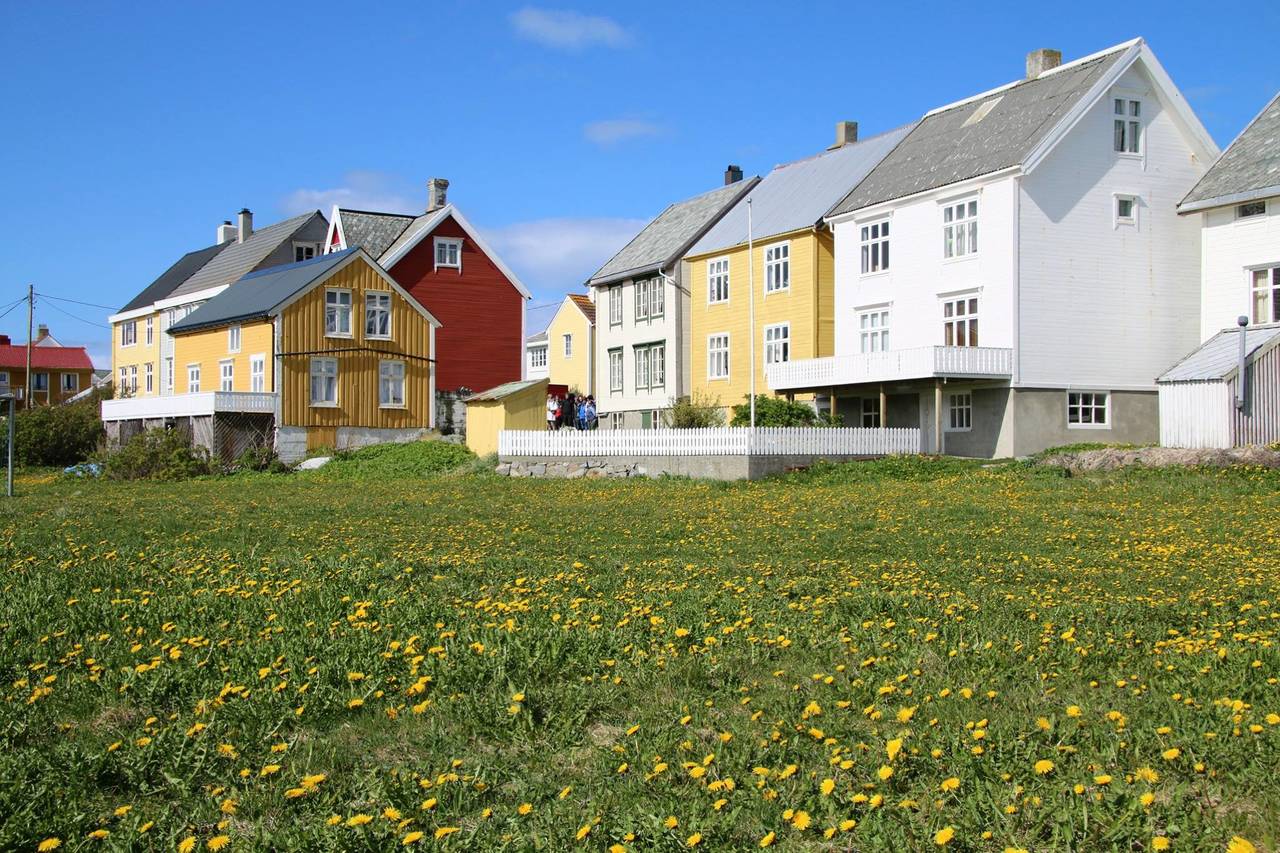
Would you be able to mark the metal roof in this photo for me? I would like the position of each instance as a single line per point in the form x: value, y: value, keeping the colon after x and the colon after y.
x: 540, y: 338
x: 1218, y: 357
x: 169, y: 281
x: 374, y: 232
x: 978, y: 136
x: 505, y: 390
x: 664, y: 240
x: 1248, y: 170
x: 258, y: 294
x: 797, y: 195
x: 239, y: 259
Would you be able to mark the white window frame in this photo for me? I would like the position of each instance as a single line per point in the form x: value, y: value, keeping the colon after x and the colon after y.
x: 302, y: 249
x: 334, y: 309
x: 133, y: 379
x: 258, y: 372
x: 1085, y: 399
x: 391, y: 377
x: 1264, y: 292
x: 40, y: 381
x: 616, y: 419
x: 873, y: 240
x: 149, y: 378
x: 657, y: 365
x: 1118, y: 219
x: 170, y: 374
x: 960, y: 314
x: 227, y: 375
x: 234, y: 337
x: 777, y: 267
x: 1258, y: 216
x: 642, y: 299
x: 657, y: 298
x: 74, y: 385
x: 718, y: 346
x: 538, y: 356
x: 1128, y: 131
x: 615, y: 305
x: 615, y: 370
x: 452, y: 246
x: 151, y: 330
x: 323, y: 369
x: 193, y: 378
x: 374, y: 307
x: 567, y: 339
x: 777, y: 343
x: 128, y: 333
x: 960, y: 227
x: 642, y: 367
x: 873, y: 329
x: 717, y: 280
x: 959, y: 416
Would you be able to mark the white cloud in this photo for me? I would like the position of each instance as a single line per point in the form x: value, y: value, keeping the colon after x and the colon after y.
x: 612, y: 131
x: 360, y: 190
x: 555, y: 256
x: 567, y: 30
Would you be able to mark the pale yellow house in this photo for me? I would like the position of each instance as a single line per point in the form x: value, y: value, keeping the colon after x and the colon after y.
x: 515, y: 405
x: 571, y: 344
x: 773, y: 247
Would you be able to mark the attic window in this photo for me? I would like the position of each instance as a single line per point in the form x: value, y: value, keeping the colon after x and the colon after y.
x: 303, y: 251
x: 448, y: 253
x: 982, y: 111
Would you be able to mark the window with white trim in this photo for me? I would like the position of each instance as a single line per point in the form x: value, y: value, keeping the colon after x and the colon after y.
x: 71, y: 382
x: 568, y: 346
x: 960, y: 229
x: 657, y: 298
x: 777, y: 343
x: 128, y: 333
x: 718, y: 356
x: 391, y: 384
x: 960, y: 322
x: 1086, y: 409
x: 642, y: 299
x: 1265, y: 295
x: 304, y: 252
x: 718, y: 280
x: 538, y: 357
x: 1126, y: 210
x: 874, y: 237
x: 657, y: 365
x: 616, y: 420
x: 615, y: 305
x: 151, y: 330
x: 873, y: 330
x: 449, y: 252
x: 233, y: 339
x: 324, y: 382
x: 1251, y: 210
x: 337, y: 313
x: 777, y: 267
x: 871, y: 412
x: 642, y: 367
x: 150, y: 377
x: 377, y: 315
x: 615, y: 370
x: 1127, y: 125
x: 133, y: 379
x: 227, y: 375
x: 959, y: 412
x: 258, y: 373
x: 40, y: 382
x: 168, y: 374
x: 193, y: 379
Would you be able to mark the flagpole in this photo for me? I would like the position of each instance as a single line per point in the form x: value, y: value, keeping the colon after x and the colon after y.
x: 751, y: 311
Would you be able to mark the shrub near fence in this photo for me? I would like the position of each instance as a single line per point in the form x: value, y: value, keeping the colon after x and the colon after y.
x: 765, y: 441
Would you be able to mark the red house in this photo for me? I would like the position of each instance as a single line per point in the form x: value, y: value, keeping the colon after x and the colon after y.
x: 440, y: 258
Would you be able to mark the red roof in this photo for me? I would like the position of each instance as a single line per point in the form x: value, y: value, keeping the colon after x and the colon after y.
x: 13, y: 357
x: 585, y: 304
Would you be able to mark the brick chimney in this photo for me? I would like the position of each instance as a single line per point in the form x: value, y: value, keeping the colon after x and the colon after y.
x: 732, y: 174
x: 1040, y: 61
x: 437, y: 194
x: 226, y: 231
x: 42, y: 332
x: 4, y: 340
x: 244, y: 227
x: 846, y: 134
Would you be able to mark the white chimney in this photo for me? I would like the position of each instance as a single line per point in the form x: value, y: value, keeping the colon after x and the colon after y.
x: 226, y: 231
x: 846, y: 134
x: 245, y: 227
x: 437, y: 190
x: 1042, y: 60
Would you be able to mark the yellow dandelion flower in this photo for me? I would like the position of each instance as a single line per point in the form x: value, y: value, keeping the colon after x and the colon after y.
x: 1043, y: 767
x: 950, y: 784
x: 218, y: 842
x: 893, y: 747
x: 1171, y: 754
x: 1073, y: 710
x: 411, y: 838
x: 99, y: 834
x: 769, y: 838
x: 1240, y: 845
x: 1160, y: 842
x: 391, y: 813
x: 694, y: 840
x: 847, y: 824
x: 801, y: 820
x: 359, y: 819
x: 584, y: 831
x: 565, y: 792
x: 671, y: 822
x: 49, y: 844
x: 187, y: 844
x: 827, y: 786
x: 943, y: 836
x: 1102, y: 779
x: 617, y: 848
x: 885, y: 772
x: 524, y: 808
x: 445, y: 832
x: 121, y: 811
x: 428, y: 804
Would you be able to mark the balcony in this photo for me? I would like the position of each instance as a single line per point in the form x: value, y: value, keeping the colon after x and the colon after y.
x: 189, y: 405
x: 891, y: 366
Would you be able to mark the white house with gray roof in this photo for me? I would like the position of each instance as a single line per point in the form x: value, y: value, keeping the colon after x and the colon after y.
x: 1014, y: 274
x: 642, y: 310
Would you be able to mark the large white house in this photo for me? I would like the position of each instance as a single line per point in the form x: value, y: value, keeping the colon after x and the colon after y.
x: 642, y: 310
x: 1014, y: 274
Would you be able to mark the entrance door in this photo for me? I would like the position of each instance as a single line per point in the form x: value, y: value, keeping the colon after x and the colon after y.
x: 646, y: 420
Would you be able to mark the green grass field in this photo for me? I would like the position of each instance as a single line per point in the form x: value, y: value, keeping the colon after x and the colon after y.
x: 889, y: 656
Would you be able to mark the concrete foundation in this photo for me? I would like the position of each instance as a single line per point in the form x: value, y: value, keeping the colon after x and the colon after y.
x: 699, y: 467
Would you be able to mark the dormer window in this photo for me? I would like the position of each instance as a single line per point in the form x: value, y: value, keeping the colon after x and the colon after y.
x: 304, y: 251
x: 448, y: 253
x: 1128, y: 125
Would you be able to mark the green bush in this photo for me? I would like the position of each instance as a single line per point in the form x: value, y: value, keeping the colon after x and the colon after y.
x: 158, y: 454
x: 396, y: 461
x: 779, y: 412
x: 698, y: 410
x: 261, y: 458
x: 55, y: 435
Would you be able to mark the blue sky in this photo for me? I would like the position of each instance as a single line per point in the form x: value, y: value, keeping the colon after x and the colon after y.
x: 132, y: 130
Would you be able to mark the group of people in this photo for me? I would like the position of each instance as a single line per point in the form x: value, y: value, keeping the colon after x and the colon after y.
x: 575, y: 411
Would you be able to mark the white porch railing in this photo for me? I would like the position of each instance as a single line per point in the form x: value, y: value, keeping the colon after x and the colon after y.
x: 189, y: 405
x: 763, y: 441
x: 891, y: 366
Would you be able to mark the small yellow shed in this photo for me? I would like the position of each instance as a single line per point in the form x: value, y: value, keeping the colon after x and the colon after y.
x: 515, y: 405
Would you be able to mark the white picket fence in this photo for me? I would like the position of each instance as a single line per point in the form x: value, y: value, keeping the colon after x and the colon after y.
x: 771, y: 441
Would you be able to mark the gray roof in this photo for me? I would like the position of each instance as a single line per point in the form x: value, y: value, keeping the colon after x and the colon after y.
x: 257, y: 295
x: 506, y: 390
x: 796, y: 195
x: 1248, y: 170
x: 540, y: 338
x: 239, y: 259
x: 172, y: 278
x: 1218, y: 357
x: 412, y: 231
x: 374, y: 232
x: 958, y: 143
x: 666, y: 238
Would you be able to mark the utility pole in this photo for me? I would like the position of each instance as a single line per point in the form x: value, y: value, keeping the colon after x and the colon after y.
x: 751, y: 312
x: 31, y: 302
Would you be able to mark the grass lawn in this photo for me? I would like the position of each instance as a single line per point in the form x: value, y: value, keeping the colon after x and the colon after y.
x: 885, y: 656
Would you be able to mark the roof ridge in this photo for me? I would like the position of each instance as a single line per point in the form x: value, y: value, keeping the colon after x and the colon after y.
x: 833, y: 151
x: 377, y: 213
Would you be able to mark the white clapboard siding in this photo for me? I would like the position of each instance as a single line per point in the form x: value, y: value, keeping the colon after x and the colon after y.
x: 772, y: 441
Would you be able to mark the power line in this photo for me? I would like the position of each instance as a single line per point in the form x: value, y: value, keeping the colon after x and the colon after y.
x: 76, y: 301
x: 81, y: 319
x: 12, y: 306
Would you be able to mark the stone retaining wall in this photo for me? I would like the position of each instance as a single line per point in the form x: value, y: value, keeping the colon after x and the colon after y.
x: 699, y: 467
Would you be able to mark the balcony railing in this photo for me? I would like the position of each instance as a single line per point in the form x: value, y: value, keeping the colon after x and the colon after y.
x: 891, y: 366
x: 189, y: 405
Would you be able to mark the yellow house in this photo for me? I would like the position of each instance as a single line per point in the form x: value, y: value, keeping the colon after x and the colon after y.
x: 772, y: 248
x: 571, y: 344
x: 515, y: 405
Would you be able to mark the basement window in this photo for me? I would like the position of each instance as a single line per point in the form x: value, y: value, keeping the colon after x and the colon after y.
x: 1088, y: 410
